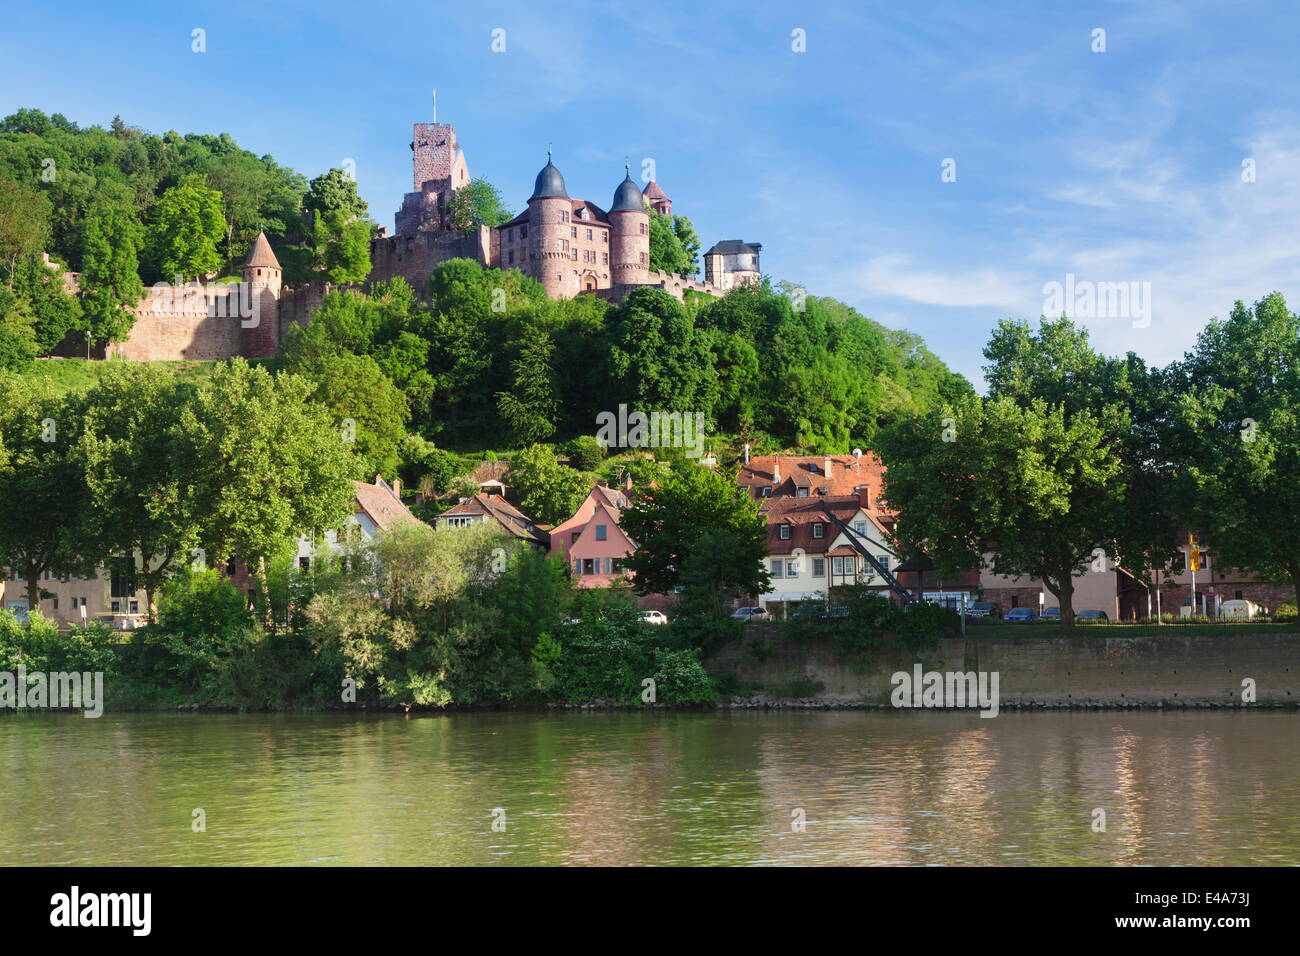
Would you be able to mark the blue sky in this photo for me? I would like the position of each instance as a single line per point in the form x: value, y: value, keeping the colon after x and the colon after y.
x: 1115, y: 166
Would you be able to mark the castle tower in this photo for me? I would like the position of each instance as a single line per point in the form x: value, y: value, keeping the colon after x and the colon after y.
x: 657, y: 198
x: 259, y: 334
x: 550, y: 253
x: 629, y: 240
x: 438, y: 169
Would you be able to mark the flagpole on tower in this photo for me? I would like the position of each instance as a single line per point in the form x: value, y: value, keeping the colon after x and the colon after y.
x: 435, y: 106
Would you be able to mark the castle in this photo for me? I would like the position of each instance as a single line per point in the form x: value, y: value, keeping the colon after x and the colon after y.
x: 570, y: 246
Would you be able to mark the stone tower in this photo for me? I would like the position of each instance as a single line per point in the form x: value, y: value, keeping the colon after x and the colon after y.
x: 259, y: 334
x: 438, y: 169
x: 629, y: 240
x: 657, y: 198
x: 549, y: 213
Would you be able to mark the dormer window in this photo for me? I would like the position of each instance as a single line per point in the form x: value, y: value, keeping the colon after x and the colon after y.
x: 801, y: 493
x: 819, y: 529
x: 767, y: 492
x: 785, y: 532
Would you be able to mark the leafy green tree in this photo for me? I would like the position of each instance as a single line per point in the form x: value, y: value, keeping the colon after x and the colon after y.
x: 531, y: 405
x: 43, y: 500
x: 666, y: 250
x: 545, y: 490
x: 110, y: 268
x: 24, y: 222
x: 186, y: 234
x: 137, y: 476
x: 689, y: 239
x: 335, y: 191
x: 1034, y: 488
x: 700, y: 530
x: 585, y: 453
x: 56, y: 312
x: 658, y: 361
x: 368, y: 407
x: 340, y: 228
x: 478, y: 204
x: 269, y: 464
x: 1237, y: 419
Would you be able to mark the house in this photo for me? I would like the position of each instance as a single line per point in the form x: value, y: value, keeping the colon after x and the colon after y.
x: 492, y: 508
x: 110, y: 596
x: 809, y: 553
x: 805, y: 476
x: 591, y: 542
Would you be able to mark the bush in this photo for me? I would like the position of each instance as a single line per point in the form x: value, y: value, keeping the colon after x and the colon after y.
x: 585, y: 453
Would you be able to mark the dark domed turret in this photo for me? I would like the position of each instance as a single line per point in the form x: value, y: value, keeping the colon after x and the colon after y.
x: 627, y: 198
x: 550, y: 184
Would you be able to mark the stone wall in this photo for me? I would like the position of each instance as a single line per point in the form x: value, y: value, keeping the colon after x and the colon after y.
x: 1076, y: 671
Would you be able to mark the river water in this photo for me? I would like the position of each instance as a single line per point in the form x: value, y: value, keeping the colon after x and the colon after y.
x: 645, y: 788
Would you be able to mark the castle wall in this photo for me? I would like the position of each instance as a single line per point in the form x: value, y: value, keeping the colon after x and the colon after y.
x: 190, y: 327
x: 414, y: 257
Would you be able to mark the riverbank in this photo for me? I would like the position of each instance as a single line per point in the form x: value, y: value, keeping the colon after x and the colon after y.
x: 1073, y: 673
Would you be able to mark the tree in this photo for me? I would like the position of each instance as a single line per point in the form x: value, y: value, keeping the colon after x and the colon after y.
x: 56, y: 312
x: 340, y: 228
x: 368, y: 407
x: 701, y: 530
x: 24, y: 222
x: 43, y: 500
x: 532, y: 405
x: 1238, y: 424
x: 478, y: 204
x: 544, y: 489
x: 689, y: 239
x: 1036, y: 489
x: 188, y: 227
x: 666, y: 250
x: 137, y: 475
x: 110, y: 268
x: 658, y: 361
x: 268, y: 464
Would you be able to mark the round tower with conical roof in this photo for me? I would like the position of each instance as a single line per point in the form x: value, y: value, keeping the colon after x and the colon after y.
x: 657, y: 198
x: 549, y: 250
x: 259, y: 322
x: 629, y: 239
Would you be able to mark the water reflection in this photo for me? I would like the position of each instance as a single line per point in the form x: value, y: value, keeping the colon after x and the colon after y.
x: 626, y: 789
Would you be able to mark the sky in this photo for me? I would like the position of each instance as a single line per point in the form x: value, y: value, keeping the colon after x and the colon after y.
x: 938, y: 166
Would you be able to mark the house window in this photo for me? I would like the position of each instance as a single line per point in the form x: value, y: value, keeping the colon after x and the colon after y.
x: 819, y: 529
x: 777, y: 565
x: 884, y: 561
x: 1236, y: 595
x: 134, y: 606
x: 115, y: 607
x: 589, y: 566
x: 792, y: 569
x: 600, y: 532
x: 56, y: 604
x: 609, y: 565
x: 860, y: 527
x: 785, y: 532
x: 819, y: 567
x: 577, y: 566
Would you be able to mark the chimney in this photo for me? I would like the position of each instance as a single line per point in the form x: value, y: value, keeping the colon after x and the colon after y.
x: 864, y: 496
x: 826, y: 466
x: 747, y: 453
x: 397, y: 488
x: 776, y: 470
x: 379, y: 479
x: 627, y: 483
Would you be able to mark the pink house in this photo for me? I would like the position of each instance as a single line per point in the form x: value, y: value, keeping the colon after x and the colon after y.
x: 591, y: 541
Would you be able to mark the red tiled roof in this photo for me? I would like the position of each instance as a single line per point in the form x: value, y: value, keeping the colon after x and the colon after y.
x: 261, y: 256
x: 510, y: 518
x: 801, y: 514
x: 847, y: 474
x: 378, y: 501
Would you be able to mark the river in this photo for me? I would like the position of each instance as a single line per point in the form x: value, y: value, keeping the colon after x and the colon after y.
x: 652, y: 788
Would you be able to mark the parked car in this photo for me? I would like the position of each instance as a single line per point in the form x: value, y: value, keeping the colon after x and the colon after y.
x: 983, y: 609
x: 838, y: 611
x: 750, y: 614
x: 1051, y: 614
x: 1022, y: 614
x: 653, y: 617
x: 1091, y: 616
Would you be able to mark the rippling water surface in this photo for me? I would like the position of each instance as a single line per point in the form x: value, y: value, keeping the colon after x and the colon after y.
x: 874, y: 788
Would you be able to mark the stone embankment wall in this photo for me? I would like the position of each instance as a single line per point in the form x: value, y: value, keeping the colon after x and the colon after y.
x: 1092, y: 670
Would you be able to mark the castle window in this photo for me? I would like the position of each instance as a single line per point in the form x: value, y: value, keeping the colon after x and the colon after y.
x: 589, y: 235
x: 512, y: 256
x: 605, y: 235
x: 564, y: 245
x: 604, y: 258
x: 573, y: 231
x: 510, y: 235
x: 644, y: 228
x: 573, y: 254
x: 523, y: 232
x: 644, y: 259
x: 564, y: 217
